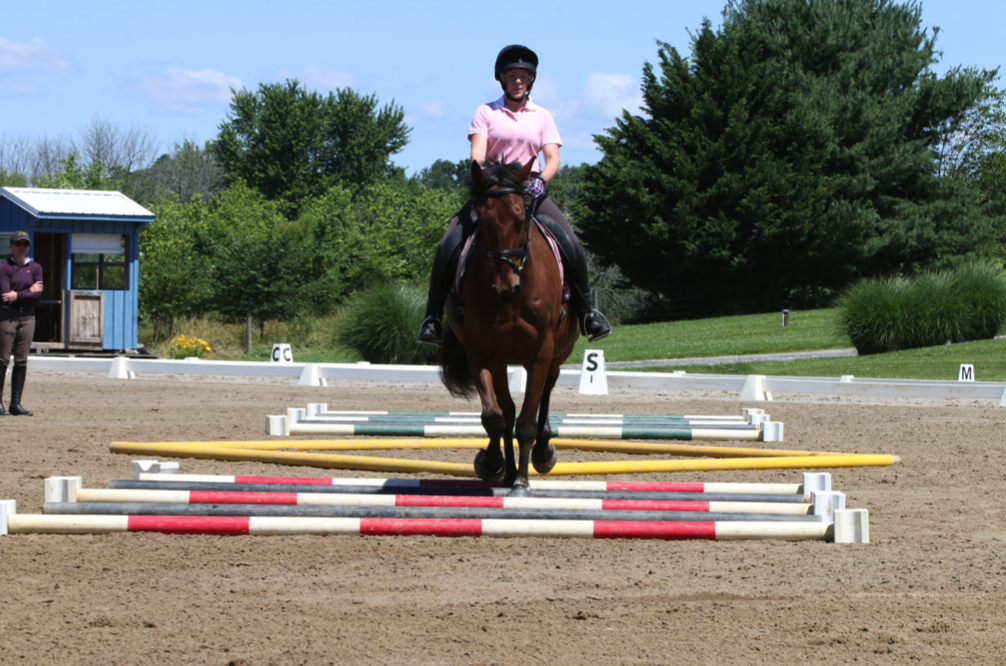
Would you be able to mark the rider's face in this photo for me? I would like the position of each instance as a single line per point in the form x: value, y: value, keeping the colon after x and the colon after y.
x: 517, y: 81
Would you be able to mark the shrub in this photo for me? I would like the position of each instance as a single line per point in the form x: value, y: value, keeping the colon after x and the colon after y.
x: 888, y: 314
x: 381, y: 323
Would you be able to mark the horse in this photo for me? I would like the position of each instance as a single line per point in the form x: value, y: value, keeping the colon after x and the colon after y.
x: 508, y: 309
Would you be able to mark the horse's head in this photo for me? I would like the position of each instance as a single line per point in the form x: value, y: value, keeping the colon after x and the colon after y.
x: 497, y: 191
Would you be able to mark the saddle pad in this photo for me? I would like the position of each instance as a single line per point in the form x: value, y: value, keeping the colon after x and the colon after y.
x: 469, y: 245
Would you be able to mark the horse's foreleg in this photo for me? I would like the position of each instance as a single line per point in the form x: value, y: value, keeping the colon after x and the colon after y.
x: 502, y: 390
x: 489, y: 461
x: 543, y: 455
x: 527, y: 422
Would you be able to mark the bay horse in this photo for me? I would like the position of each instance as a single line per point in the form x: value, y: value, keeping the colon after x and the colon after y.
x: 508, y: 310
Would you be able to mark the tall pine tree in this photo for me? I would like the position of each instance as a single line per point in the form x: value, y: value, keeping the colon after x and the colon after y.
x: 793, y: 152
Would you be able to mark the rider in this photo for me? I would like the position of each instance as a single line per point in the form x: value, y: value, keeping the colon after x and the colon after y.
x: 513, y: 129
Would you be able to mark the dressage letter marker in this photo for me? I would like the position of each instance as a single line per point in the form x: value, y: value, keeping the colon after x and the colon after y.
x: 593, y: 380
x: 281, y: 353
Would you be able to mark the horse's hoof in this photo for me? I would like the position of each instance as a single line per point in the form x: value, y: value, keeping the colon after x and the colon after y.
x: 543, y: 458
x: 519, y: 491
x: 483, y: 471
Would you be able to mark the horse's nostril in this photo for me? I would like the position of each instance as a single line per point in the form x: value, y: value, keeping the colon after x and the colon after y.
x: 516, y: 291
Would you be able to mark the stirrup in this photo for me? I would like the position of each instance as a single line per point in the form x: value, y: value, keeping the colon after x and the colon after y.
x: 598, y: 336
x: 430, y: 332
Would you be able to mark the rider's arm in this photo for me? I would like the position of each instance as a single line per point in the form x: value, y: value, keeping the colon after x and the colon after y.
x: 479, y: 145
x: 551, y: 152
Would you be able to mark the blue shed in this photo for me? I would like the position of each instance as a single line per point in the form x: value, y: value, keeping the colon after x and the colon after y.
x: 88, y: 244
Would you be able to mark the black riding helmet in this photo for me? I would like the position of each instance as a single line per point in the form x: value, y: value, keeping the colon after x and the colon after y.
x: 516, y: 56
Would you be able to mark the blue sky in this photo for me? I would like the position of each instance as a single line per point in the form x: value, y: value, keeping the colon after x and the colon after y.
x: 168, y: 66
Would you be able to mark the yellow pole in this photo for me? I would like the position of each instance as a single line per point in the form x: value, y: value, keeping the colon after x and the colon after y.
x: 213, y: 452
x: 668, y: 466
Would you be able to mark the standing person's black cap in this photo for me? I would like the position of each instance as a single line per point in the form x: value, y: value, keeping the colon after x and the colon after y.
x: 19, y: 236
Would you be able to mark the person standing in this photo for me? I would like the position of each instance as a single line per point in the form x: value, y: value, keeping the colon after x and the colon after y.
x: 20, y: 290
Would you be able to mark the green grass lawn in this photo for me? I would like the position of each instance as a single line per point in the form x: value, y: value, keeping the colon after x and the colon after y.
x: 723, y: 336
x: 942, y: 362
x: 751, y: 334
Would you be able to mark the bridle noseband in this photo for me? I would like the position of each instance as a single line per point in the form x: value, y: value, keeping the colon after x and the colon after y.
x: 519, y: 253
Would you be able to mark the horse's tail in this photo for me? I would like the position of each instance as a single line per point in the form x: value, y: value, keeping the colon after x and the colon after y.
x: 454, y: 372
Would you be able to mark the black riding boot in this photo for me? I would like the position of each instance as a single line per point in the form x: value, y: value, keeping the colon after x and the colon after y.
x: 431, y: 330
x: 592, y: 323
x: 16, y: 388
x: 3, y: 380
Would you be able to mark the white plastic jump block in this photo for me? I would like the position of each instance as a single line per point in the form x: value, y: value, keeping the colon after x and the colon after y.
x: 316, y: 408
x: 152, y: 467
x: 772, y: 431
x: 852, y: 526
x: 277, y: 426
x: 815, y: 482
x: 119, y: 369
x: 754, y: 389
x: 62, y: 488
x: 826, y: 503
x: 517, y: 379
x: 7, y: 508
x: 310, y: 376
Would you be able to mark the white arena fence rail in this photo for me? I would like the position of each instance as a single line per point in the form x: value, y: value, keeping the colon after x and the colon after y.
x: 749, y: 387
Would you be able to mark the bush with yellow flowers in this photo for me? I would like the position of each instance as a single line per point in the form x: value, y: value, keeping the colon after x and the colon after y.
x: 184, y: 346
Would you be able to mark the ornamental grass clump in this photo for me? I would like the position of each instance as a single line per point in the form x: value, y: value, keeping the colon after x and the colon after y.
x: 890, y: 314
x: 981, y: 287
x: 184, y: 346
x: 381, y: 323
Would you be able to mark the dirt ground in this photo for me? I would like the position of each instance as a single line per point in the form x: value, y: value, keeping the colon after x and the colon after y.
x: 929, y: 589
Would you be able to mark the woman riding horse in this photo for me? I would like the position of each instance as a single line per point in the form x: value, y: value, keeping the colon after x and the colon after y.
x: 513, y: 129
x: 513, y: 314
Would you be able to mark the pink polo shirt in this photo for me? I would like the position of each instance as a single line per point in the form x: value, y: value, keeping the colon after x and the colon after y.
x: 515, y: 137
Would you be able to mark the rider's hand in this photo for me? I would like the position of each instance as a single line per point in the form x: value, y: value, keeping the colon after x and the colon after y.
x: 535, y: 188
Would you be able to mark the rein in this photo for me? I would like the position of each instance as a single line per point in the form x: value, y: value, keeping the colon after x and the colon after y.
x: 519, y: 253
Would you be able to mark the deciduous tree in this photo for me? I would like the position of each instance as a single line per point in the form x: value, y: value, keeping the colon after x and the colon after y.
x: 292, y: 144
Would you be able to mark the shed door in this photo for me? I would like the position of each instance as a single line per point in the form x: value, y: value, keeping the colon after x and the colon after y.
x: 87, y: 318
x: 49, y: 250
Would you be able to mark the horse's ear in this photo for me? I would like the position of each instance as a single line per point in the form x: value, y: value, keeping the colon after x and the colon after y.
x: 477, y: 174
x: 525, y: 171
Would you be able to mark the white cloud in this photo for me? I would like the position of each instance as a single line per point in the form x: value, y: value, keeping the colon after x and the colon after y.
x: 328, y: 79
x: 315, y: 77
x: 425, y: 111
x: 19, y: 88
x: 33, y: 56
x: 546, y: 93
x: 179, y: 91
x: 581, y: 141
x: 608, y: 94
x: 433, y: 109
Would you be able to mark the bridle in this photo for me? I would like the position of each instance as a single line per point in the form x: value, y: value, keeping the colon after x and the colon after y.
x: 510, y: 254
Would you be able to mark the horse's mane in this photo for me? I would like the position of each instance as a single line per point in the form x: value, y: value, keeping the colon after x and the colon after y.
x: 497, y: 173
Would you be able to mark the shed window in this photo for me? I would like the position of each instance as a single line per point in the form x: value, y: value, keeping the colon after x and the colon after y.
x: 107, y: 269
